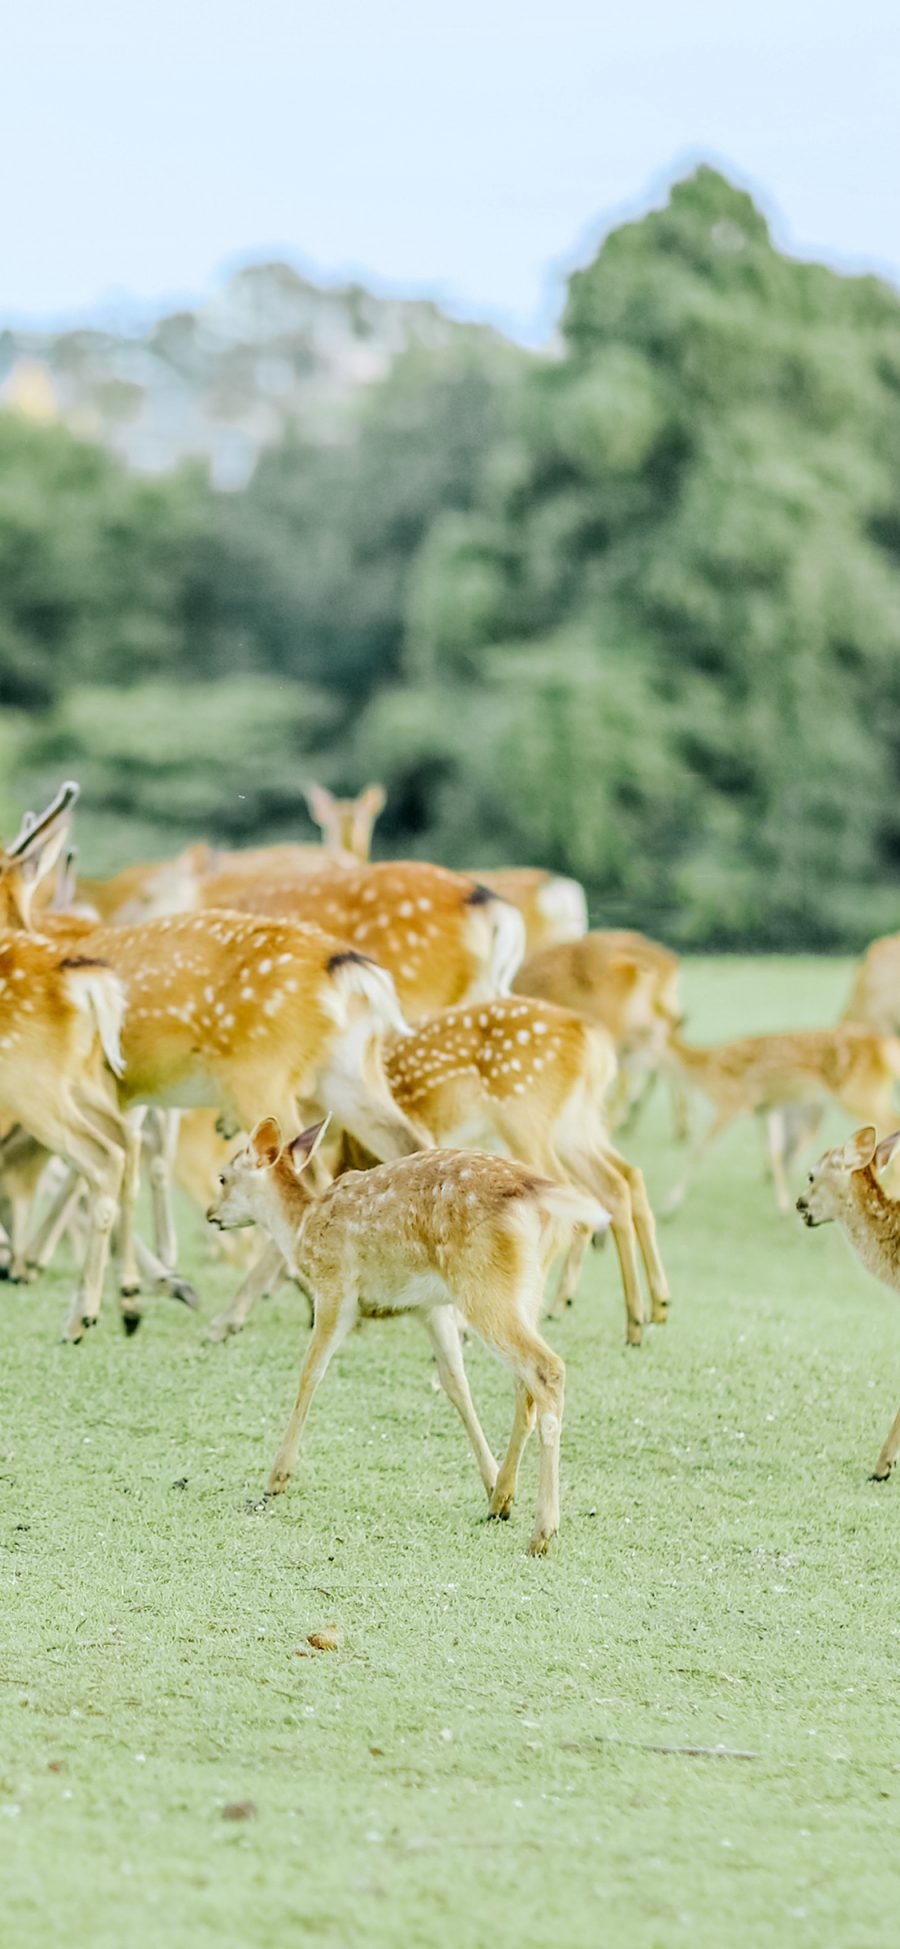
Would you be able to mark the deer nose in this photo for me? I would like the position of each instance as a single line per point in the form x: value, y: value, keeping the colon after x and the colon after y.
x: 801, y: 1205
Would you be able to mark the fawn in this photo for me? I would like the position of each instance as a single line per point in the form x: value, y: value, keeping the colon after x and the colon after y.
x: 773, y: 1073
x: 843, y: 1186
x: 422, y: 1235
x: 533, y: 1080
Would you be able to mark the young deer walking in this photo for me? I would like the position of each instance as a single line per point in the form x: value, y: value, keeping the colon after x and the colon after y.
x: 770, y: 1073
x: 844, y: 1187
x: 423, y: 1235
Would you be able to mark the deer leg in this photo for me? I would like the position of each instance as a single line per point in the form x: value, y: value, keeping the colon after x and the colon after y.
x: 264, y: 1275
x: 700, y: 1150
x: 331, y: 1327
x: 440, y: 1324
x: 151, y: 1268
x: 888, y: 1454
x: 601, y: 1177
x: 24, y: 1164
x: 43, y: 1244
x: 645, y: 1227
x: 129, y: 1276
x: 543, y: 1375
x: 777, y: 1135
x: 508, y: 1476
x: 162, y: 1146
x: 104, y: 1203
x: 73, y: 1136
x: 571, y: 1269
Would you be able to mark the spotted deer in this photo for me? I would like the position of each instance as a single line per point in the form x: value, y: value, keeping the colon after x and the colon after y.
x: 553, y: 907
x: 422, y: 1235
x: 764, y: 1074
x: 844, y: 1188
x: 238, y: 1012
x: 535, y: 1078
x: 60, y: 1022
x: 627, y: 983
x: 443, y: 938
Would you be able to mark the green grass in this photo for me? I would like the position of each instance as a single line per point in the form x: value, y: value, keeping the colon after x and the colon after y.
x: 475, y: 1764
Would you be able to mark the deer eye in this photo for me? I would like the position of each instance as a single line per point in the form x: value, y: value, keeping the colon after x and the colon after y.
x: 222, y: 1182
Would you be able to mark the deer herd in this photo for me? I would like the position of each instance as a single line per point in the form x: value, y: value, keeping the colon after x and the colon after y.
x: 407, y: 1078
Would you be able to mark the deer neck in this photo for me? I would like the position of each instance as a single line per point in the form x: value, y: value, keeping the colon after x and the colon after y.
x: 871, y: 1221
x: 287, y: 1209
x: 693, y: 1061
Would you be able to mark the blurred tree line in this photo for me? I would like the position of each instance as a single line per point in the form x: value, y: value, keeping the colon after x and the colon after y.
x: 632, y: 610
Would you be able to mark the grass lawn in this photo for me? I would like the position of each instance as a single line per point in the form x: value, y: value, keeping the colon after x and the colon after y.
x: 496, y: 1753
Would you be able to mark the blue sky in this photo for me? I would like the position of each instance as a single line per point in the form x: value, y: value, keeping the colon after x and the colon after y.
x: 475, y: 153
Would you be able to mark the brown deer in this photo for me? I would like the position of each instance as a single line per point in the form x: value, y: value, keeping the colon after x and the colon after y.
x: 844, y: 1187
x: 875, y: 997
x: 763, y: 1074
x: 346, y: 824
x: 443, y: 938
x: 146, y: 892
x: 623, y: 981
x: 60, y: 1021
x: 553, y: 907
x: 534, y: 1078
x: 237, y: 1012
x: 423, y: 1235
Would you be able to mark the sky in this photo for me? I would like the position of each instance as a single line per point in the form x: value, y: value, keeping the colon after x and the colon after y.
x: 474, y: 153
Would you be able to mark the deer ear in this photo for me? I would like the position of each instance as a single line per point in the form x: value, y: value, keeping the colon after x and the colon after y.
x: 320, y: 802
x: 265, y: 1141
x: 886, y: 1150
x: 373, y: 800
x: 859, y: 1149
x: 305, y: 1146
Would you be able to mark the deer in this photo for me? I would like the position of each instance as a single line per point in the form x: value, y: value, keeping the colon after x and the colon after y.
x: 60, y: 1024
x: 234, y: 1011
x: 844, y: 1188
x: 773, y: 1074
x: 346, y: 824
x: 151, y: 889
x: 553, y: 908
x: 146, y: 892
x: 533, y: 1079
x: 628, y: 984
x: 422, y: 1235
x: 874, y: 1001
x: 443, y: 938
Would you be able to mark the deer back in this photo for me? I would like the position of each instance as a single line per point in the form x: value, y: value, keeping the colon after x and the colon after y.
x: 443, y: 938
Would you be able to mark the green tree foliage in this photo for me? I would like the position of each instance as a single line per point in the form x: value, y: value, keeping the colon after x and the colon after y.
x: 680, y: 594
x: 631, y: 610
